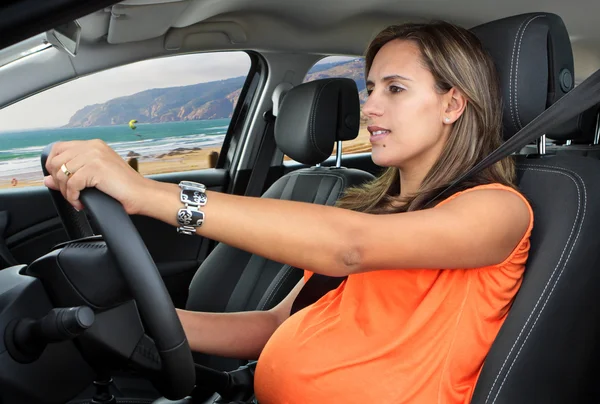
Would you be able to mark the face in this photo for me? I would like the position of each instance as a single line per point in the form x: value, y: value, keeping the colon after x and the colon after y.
x: 409, y: 120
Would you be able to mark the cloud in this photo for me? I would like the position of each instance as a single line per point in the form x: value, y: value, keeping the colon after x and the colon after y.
x: 55, y: 106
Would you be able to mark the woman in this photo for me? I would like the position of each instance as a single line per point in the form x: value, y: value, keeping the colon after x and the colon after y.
x: 428, y: 285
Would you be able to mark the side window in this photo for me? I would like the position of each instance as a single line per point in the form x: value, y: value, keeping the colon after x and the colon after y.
x: 352, y: 68
x: 162, y: 115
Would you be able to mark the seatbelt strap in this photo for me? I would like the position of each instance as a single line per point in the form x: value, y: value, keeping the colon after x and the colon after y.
x: 581, y: 98
x: 258, y: 176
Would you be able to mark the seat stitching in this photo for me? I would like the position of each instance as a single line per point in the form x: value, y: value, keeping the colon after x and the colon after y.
x: 555, y: 171
x: 557, y: 279
x: 549, y: 279
x: 510, y: 78
x: 313, y: 114
x: 276, y: 287
x: 517, y: 68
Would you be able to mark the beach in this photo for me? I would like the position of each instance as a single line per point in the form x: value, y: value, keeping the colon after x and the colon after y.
x: 196, y: 156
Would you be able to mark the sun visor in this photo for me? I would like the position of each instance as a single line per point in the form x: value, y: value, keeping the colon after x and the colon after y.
x: 138, y: 20
x: 225, y: 32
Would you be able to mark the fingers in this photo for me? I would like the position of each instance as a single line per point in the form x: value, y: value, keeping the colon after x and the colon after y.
x: 78, y: 181
x: 57, y: 149
x: 60, y: 178
x: 83, y: 169
x: 75, y: 155
x: 91, y: 163
x: 49, y: 182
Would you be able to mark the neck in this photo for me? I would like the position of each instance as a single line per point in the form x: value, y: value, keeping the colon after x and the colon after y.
x: 410, y: 181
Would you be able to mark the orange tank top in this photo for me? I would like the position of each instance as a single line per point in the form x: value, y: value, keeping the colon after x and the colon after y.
x: 393, y: 336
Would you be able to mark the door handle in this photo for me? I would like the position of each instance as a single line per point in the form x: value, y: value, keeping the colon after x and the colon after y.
x: 6, y: 257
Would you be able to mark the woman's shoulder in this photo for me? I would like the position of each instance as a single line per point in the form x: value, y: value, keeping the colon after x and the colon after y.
x: 504, y: 202
x: 489, y: 193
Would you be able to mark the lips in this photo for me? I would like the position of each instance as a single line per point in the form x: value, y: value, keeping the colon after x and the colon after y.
x: 377, y: 133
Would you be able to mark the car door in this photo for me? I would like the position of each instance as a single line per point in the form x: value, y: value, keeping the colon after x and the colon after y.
x: 169, y: 118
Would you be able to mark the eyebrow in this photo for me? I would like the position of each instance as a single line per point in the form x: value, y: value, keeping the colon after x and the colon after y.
x: 389, y: 78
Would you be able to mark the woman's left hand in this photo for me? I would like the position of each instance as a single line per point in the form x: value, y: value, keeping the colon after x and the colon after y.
x: 92, y: 163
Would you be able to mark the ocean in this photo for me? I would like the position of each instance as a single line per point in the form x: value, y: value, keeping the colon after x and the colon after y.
x: 20, y: 150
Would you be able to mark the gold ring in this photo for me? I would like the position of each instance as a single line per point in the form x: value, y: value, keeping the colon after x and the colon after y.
x: 65, y: 170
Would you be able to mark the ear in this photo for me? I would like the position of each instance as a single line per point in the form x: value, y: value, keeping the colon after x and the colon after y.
x: 454, y: 106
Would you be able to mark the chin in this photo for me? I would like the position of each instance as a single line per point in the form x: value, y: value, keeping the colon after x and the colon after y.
x: 383, y: 159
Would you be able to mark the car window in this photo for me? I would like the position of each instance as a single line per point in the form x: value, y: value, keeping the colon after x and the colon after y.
x: 347, y: 67
x: 162, y: 115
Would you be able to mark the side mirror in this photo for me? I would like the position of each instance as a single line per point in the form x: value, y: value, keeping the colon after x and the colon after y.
x: 66, y: 37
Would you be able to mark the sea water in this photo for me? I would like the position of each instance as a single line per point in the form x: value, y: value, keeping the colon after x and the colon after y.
x: 20, y: 150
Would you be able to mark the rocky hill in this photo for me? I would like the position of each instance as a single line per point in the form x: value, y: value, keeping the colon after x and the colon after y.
x: 212, y: 100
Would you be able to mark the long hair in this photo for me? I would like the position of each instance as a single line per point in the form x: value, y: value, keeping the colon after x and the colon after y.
x: 456, y: 59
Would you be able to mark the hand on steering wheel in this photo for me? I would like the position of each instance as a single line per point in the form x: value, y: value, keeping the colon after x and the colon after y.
x: 76, y: 165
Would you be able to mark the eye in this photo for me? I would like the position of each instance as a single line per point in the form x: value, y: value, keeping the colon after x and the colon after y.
x: 369, y: 91
x: 396, y: 89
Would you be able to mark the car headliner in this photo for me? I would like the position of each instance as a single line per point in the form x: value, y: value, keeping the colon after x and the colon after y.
x: 319, y: 26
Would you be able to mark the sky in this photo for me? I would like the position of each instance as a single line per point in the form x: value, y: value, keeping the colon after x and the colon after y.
x: 54, y: 107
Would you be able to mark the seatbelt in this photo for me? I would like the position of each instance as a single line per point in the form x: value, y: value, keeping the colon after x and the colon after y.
x: 266, y: 149
x: 581, y: 98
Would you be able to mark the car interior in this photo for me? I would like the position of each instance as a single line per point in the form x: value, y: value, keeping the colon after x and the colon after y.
x: 112, y: 281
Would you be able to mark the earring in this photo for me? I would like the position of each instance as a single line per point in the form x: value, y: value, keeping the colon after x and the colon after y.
x: 447, y: 119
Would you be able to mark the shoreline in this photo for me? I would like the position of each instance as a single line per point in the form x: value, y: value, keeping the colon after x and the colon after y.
x: 183, y: 159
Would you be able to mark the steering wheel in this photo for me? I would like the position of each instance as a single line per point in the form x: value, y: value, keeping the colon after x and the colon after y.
x: 142, y: 277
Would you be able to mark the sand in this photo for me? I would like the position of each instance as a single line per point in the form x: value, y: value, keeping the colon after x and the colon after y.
x: 185, y: 160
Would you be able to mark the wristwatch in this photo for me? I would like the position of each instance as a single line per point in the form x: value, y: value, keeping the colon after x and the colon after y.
x: 193, y: 196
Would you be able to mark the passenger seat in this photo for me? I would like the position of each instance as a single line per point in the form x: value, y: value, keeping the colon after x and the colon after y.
x: 313, y: 117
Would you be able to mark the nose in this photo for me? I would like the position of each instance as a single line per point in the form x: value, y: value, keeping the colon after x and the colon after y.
x: 372, y: 107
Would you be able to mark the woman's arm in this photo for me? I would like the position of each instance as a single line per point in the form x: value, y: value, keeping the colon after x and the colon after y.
x: 475, y: 229
x: 235, y: 335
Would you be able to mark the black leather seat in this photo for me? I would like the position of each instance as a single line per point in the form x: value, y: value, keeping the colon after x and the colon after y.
x: 547, y: 350
x: 313, y: 117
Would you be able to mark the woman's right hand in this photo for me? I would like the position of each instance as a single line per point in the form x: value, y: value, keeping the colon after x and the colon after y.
x: 92, y: 163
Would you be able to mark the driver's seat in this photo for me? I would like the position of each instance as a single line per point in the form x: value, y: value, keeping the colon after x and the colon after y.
x: 547, y: 349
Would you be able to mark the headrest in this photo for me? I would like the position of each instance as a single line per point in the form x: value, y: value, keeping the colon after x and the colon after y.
x: 534, y: 59
x: 314, y: 115
x: 581, y: 129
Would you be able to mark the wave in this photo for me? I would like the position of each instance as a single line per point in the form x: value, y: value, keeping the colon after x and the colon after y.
x: 24, y: 163
x: 143, y: 147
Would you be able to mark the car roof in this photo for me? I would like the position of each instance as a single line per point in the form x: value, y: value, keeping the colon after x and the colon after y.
x: 319, y: 26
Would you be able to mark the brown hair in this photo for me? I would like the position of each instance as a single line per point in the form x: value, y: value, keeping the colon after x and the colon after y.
x: 456, y: 59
